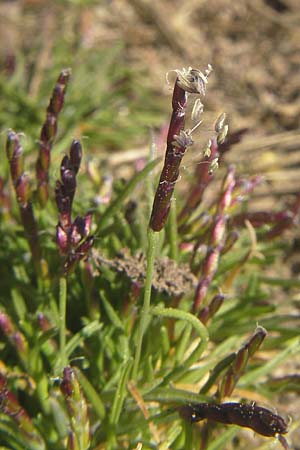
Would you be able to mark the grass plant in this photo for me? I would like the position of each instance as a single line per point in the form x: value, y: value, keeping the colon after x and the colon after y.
x: 115, y: 320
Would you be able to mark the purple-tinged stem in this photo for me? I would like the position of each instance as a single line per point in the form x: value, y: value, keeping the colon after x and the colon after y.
x: 48, y: 134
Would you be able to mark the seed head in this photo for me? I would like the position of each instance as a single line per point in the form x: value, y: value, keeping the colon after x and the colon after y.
x: 183, y: 140
x: 220, y: 122
x: 193, y: 80
x: 222, y: 135
x: 214, y: 165
x: 197, y: 110
x: 207, y: 149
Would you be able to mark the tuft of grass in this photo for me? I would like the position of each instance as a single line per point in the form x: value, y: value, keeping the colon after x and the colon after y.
x: 111, y: 327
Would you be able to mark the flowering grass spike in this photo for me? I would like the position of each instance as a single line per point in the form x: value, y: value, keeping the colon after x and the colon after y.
x: 188, y: 81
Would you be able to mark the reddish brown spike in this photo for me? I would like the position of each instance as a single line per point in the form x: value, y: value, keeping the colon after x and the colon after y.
x: 259, y: 419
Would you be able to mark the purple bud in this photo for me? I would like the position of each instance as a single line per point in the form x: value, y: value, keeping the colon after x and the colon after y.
x: 88, y: 223
x: 49, y: 129
x: 43, y: 192
x: 241, y: 360
x: 77, y: 230
x: 75, y: 155
x: 69, y: 182
x: 63, y: 205
x: 43, y: 322
x: 19, y: 342
x: 43, y: 162
x: 80, y: 228
x: 66, y: 384
x: 231, y: 239
x: 256, y: 340
x: 12, y: 145
x: 201, y: 292
x: 23, y: 190
x: 65, y: 165
x: 14, y: 153
x: 84, y: 248
x: 6, y: 325
x: 227, y: 188
x: 57, y: 99
x: 61, y: 240
x: 80, y: 253
x: 218, y: 230
x: 228, y: 384
x: 211, y: 263
x: 204, y: 315
x: 216, y: 304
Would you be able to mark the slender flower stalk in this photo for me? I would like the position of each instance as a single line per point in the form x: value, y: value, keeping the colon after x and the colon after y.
x: 190, y: 81
x: 217, y: 240
x: 178, y: 140
x: 145, y: 314
x: 48, y: 134
x: 21, y: 184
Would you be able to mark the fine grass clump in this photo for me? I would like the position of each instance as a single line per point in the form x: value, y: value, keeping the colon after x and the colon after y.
x: 126, y: 316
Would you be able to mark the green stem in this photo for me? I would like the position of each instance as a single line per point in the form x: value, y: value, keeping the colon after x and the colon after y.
x: 152, y: 241
x: 62, y: 322
x: 199, y: 328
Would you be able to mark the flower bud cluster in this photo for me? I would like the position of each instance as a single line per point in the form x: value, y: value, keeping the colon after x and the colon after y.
x: 239, y: 363
x: 14, y: 152
x: 216, y: 240
x: 72, y: 237
x: 188, y: 81
x: 48, y: 134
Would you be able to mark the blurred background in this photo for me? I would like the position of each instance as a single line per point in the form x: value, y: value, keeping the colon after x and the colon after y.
x: 120, y: 52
